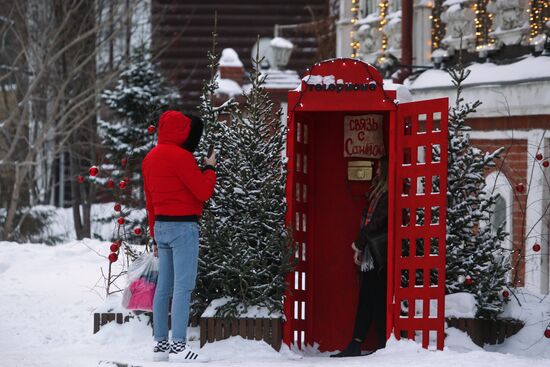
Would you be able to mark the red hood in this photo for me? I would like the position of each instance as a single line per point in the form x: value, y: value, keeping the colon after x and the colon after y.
x: 173, y: 128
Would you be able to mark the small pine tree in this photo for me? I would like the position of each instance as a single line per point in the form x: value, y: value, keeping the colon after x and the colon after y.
x: 214, y: 231
x: 140, y: 96
x: 259, y: 252
x: 475, y: 258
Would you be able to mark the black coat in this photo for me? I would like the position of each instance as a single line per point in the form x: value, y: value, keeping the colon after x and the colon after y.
x: 375, y: 233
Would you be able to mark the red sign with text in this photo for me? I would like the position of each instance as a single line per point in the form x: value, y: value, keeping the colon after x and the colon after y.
x: 363, y: 136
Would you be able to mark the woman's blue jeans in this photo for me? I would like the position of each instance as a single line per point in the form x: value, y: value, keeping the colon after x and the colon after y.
x: 178, y: 249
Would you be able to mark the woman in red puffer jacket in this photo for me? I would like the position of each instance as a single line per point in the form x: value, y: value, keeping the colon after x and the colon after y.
x: 175, y: 190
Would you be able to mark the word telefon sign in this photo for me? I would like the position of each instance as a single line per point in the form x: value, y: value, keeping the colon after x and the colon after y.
x: 363, y: 136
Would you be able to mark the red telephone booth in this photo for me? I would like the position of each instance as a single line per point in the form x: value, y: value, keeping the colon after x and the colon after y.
x: 340, y: 122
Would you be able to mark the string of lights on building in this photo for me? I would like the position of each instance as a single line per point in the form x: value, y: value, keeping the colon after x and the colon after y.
x: 538, y: 16
x: 437, y: 29
x: 383, y: 12
x: 354, y: 18
x: 483, y: 24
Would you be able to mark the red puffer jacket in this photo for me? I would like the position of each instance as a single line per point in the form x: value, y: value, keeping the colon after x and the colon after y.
x: 174, y: 184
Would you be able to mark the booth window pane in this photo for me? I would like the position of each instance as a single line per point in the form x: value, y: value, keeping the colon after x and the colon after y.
x: 296, y: 335
x: 419, y: 282
x: 436, y: 122
x: 404, y: 278
x: 405, y: 247
x: 297, y: 254
x: 420, y: 185
x: 419, y: 247
x: 298, y: 162
x: 408, y: 126
x: 422, y: 123
x: 298, y: 192
x: 303, y: 281
x: 421, y: 156
x: 436, y: 153
x: 304, y: 193
x: 304, y: 229
x: 406, y: 156
x: 404, y: 304
x: 406, y: 187
x: 405, y: 217
x: 433, y: 308
x: 420, y: 214
x: 303, y: 310
x: 434, y: 277
x: 298, y: 132
x: 305, y: 133
x: 297, y: 221
x: 434, y: 246
x: 435, y: 185
x: 305, y: 164
x: 303, y: 337
x: 418, y: 308
x: 435, y: 215
x: 296, y: 309
x: 304, y: 251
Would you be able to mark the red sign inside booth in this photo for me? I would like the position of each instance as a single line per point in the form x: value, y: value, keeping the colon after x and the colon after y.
x: 363, y: 136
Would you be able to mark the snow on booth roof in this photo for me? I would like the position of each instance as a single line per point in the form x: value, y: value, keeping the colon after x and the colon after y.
x: 530, y: 68
x: 230, y: 58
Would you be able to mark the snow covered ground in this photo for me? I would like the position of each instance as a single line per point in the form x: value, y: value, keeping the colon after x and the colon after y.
x: 48, y: 295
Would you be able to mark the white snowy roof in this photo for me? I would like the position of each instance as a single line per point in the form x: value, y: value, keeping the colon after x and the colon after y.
x: 531, y: 67
x: 230, y: 58
x: 281, y: 79
x: 229, y: 87
x: 281, y: 43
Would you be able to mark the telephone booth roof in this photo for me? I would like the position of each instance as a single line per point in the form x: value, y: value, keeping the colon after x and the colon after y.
x: 344, y: 85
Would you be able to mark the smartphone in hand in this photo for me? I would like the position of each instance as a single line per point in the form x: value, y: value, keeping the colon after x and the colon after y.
x: 210, y: 151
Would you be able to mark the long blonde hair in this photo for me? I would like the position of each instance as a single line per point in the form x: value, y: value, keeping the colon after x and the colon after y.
x: 380, y: 181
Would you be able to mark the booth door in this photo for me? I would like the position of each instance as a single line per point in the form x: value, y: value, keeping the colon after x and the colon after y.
x: 420, y: 166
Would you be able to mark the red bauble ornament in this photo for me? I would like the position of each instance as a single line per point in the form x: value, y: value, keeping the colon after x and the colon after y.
x: 120, y: 220
x: 80, y: 179
x: 151, y: 129
x: 505, y: 294
x: 117, y: 207
x: 539, y: 157
x: 137, y: 231
x: 520, y: 187
x: 114, y: 247
x: 124, y: 161
x: 468, y: 280
x: 122, y: 184
x: 113, y: 257
x: 536, y: 247
x: 93, y: 171
x: 547, y: 333
x: 110, y: 183
x: 545, y: 164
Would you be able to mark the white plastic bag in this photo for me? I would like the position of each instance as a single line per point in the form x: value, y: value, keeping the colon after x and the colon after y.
x: 142, y: 281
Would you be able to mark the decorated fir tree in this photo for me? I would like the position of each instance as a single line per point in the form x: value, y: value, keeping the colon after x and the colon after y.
x: 139, y: 97
x: 476, y: 262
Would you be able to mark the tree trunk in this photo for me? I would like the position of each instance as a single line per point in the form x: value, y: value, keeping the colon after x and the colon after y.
x: 20, y: 172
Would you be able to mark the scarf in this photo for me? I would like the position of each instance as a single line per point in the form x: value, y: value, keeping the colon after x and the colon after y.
x: 367, y: 262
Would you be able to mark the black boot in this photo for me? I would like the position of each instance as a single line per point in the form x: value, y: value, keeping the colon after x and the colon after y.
x: 352, y: 350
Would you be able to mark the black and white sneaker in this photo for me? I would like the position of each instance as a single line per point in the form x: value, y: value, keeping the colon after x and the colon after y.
x: 180, y: 352
x: 161, y: 351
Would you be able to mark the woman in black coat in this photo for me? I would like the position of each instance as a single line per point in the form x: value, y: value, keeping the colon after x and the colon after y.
x: 371, y: 257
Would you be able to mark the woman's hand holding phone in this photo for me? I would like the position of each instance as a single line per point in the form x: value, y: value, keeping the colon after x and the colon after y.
x: 211, y: 159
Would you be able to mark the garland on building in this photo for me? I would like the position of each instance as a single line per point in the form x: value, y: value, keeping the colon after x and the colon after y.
x: 383, y: 5
x: 354, y: 19
x: 483, y: 24
x: 437, y: 30
x: 538, y: 16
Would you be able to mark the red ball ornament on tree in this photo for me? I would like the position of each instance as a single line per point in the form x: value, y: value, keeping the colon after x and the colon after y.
x: 547, y: 333
x: 80, y: 179
x: 505, y: 294
x: 122, y: 184
x: 468, y: 280
x: 536, y: 247
x: 114, y: 247
x: 124, y: 161
x: 117, y: 207
x: 110, y: 183
x: 520, y: 187
x: 539, y: 157
x: 113, y: 257
x: 93, y: 171
x: 137, y: 231
x: 120, y: 220
x: 545, y: 164
x: 151, y: 129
